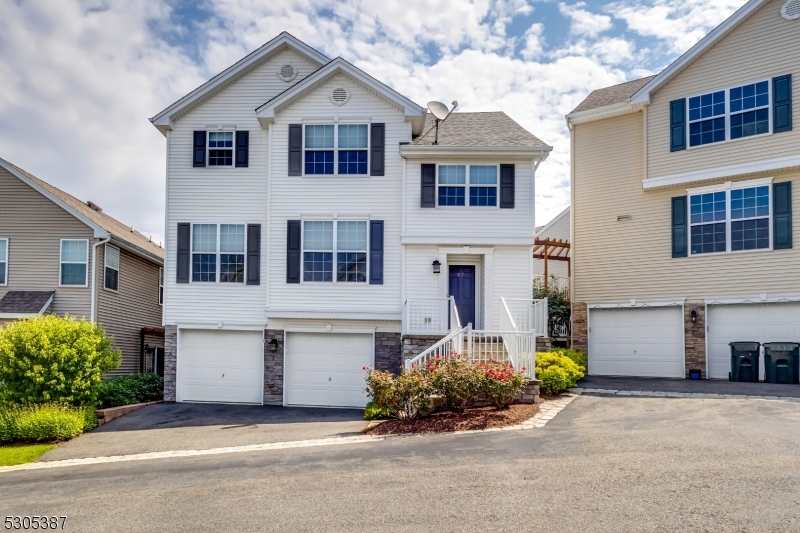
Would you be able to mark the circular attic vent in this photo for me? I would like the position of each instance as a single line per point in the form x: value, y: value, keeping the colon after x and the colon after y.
x: 340, y: 96
x: 287, y: 72
x: 791, y: 10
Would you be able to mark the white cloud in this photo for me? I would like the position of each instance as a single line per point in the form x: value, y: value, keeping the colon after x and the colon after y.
x: 534, y: 47
x: 585, y: 23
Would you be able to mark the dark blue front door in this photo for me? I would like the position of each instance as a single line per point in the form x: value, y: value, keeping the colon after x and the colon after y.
x: 462, y: 287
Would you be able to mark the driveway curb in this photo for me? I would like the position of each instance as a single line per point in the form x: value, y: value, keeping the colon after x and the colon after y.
x: 697, y: 395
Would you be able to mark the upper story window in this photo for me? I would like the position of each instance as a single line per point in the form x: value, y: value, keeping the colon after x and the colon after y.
x: 707, y: 118
x: 734, y: 113
x: 454, y: 188
x: 3, y: 261
x: 346, y: 241
x: 161, y: 286
x: 220, y: 148
x: 74, y: 262
x: 111, y: 271
x: 336, y: 149
x: 750, y: 110
x: 218, y: 253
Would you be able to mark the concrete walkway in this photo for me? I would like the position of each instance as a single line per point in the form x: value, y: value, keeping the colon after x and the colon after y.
x: 191, y: 426
x: 705, y: 386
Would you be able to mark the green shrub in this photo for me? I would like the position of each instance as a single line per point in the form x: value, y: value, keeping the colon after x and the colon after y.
x: 374, y: 411
x: 51, y: 359
x: 404, y: 396
x: 127, y: 390
x: 459, y: 381
x: 577, y: 356
x: 502, y: 383
x: 44, y: 422
x: 557, y: 372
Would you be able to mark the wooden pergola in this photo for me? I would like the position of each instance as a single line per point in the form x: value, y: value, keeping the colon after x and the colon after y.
x: 552, y: 250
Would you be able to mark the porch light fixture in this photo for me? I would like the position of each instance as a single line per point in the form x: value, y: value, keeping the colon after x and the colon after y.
x: 273, y: 345
x: 437, y: 266
x: 694, y: 315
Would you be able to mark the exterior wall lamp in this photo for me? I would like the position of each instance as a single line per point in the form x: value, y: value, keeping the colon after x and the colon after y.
x: 273, y: 345
x: 693, y: 314
x: 437, y: 266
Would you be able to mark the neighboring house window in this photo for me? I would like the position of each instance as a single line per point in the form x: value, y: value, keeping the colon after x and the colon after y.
x: 161, y: 286
x: 454, y: 189
x: 344, y: 241
x: 336, y: 149
x: 220, y: 148
x: 212, y: 240
x: 730, y: 220
x: 3, y: 261
x: 730, y: 114
x: 74, y: 261
x: 111, y: 273
x: 707, y: 118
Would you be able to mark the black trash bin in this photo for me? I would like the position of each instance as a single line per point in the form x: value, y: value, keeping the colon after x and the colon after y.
x: 781, y: 362
x: 744, y: 361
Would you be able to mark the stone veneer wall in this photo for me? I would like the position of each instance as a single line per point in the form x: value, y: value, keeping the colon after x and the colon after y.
x: 170, y: 362
x: 544, y: 344
x: 695, y: 337
x: 580, y: 327
x: 388, y: 351
x: 413, y: 345
x: 273, y: 368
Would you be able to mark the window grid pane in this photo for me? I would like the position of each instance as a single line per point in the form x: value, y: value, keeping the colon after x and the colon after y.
x: 73, y: 274
x: 486, y: 196
x: 750, y: 96
x: 231, y: 268
x: 231, y: 238
x: 708, y: 238
x: 220, y: 158
x: 351, y: 267
x: 483, y: 175
x: 352, y: 162
x: 750, y: 234
x: 111, y: 279
x: 112, y: 257
x: 320, y: 162
x: 74, y: 251
x: 204, y: 238
x: 351, y: 236
x: 452, y: 174
x: 220, y: 139
x: 451, y: 195
x: 3, y: 250
x: 353, y: 136
x: 750, y: 123
x: 319, y: 137
x: 318, y: 235
x: 3, y: 272
x: 707, y: 105
x: 707, y: 207
x: 317, y: 266
x: 204, y: 267
x: 750, y: 203
x: 707, y: 131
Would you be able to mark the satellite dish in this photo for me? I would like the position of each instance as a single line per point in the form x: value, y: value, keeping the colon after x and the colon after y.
x: 438, y: 110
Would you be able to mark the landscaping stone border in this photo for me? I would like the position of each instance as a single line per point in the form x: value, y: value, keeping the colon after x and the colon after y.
x: 109, y: 414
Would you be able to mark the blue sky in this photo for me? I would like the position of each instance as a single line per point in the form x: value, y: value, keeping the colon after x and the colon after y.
x: 81, y: 77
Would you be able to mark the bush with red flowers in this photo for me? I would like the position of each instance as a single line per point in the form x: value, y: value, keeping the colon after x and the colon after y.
x: 502, y: 382
x: 457, y: 380
x: 403, y: 396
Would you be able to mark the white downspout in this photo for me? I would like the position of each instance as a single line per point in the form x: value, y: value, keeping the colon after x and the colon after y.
x: 93, y: 308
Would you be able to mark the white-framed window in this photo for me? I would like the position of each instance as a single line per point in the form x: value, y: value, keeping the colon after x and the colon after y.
x: 729, y: 114
x: 220, y: 148
x: 732, y: 217
x: 218, y: 253
x: 339, y: 245
x: 74, y: 262
x: 3, y: 261
x: 336, y: 149
x: 461, y: 185
x: 161, y: 286
x: 111, y: 270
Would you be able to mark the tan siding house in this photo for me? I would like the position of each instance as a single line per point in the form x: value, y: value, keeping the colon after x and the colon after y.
x: 682, y: 211
x: 53, y: 248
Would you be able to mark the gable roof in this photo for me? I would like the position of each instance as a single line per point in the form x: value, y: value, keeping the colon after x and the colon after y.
x: 163, y: 120
x: 267, y: 111
x: 491, y: 128
x: 541, y: 229
x: 611, y: 95
x: 103, y: 225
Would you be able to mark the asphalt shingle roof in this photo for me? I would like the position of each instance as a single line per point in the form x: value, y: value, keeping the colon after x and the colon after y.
x: 493, y: 128
x: 611, y: 95
x: 27, y: 302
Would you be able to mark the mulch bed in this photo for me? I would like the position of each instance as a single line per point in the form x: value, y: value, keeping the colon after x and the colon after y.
x: 445, y: 421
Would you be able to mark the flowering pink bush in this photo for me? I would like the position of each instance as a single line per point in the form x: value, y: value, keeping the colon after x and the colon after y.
x: 502, y: 382
x: 458, y: 380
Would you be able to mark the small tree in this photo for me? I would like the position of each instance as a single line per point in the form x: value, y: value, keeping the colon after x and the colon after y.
x: 51, y: 359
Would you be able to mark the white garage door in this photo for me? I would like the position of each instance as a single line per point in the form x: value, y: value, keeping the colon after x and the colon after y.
x: 772, y: 322
x: 327, y: 368
x: 221, y: 366
x: 636, y: 342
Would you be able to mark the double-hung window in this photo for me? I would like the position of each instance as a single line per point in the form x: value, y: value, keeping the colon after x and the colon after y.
x: 341, y: 243
x: 750, y: 110
x: 3, y: 261
x: 707, y: 118
x: 455, y: 188
x: 111, y: 271
x: 734, y: 219
x: 730, y: 114
x: 336, y: 149
x: 161, y: 286
x: 74, y: 262
x: 218, y: 253
x: 220, y: 148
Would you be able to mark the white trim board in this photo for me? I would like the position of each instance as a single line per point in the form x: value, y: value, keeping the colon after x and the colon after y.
x: 729, y: 171
x: 759, y: 299
x: 636, y: 304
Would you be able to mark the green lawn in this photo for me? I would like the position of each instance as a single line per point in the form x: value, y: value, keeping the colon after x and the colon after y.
x: 16, y: 455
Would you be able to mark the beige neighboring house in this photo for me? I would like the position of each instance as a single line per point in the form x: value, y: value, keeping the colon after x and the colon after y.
x: 555, y: 230
x: 64, y: 256
x: 683, y: 186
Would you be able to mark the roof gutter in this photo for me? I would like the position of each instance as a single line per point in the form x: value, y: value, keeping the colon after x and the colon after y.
x: 135, y: 250
x: 600, y: 113
x: 428, y: 150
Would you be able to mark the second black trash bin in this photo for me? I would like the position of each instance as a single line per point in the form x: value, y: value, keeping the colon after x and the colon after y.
x: 744, y: 361
x: 781, y: 362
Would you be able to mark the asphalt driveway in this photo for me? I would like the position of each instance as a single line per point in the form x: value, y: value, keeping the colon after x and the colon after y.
x: 193, y: 426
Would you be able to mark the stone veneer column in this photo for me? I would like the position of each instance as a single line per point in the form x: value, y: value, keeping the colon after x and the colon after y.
x: 695, y: 337
x: 580, y: 327
x: 413, y: 345
x: 388, y: 352
x: 170, y: 361
x: 273, y: 367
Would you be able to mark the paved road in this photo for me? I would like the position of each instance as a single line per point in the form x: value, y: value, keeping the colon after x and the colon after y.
x: 604, y: 464
x: 713, y: 386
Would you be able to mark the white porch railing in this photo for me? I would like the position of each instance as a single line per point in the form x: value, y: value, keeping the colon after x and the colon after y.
x: 558, y: 283
x: 528, y: 315
x: 431, y: 316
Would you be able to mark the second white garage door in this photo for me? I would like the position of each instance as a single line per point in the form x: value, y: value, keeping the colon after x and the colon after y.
x: 644, y: 342
x: 771, y: 322
x: 326, y: 369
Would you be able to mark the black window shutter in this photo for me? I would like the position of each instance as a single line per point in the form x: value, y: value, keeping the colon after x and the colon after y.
x: 782, y: 215
x: 376, y: 252
x: 378, y: 149
x: 293, y: 252
x: 184, y: 238
x: 296, y: 150
x: 428, y: 185
x: 254, y: 254
x: 242, y: 148
x: 199, y: 149
x: 782, y: 104
x: 679, y: 236
x: 677, y: 125
x: 507, y: 184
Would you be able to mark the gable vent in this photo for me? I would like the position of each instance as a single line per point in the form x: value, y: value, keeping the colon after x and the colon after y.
x: 340, y: 96
x: 287, y: 72
x: 791, y: 10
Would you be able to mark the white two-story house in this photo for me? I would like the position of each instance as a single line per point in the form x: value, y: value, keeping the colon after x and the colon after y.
x: 314, y: 228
